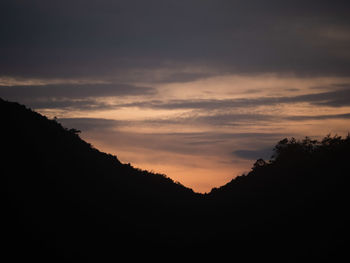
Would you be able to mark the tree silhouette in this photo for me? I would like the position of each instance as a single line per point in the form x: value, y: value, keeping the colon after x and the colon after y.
x: 65, y: 200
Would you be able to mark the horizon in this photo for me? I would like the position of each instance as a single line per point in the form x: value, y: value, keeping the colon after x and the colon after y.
x: 195, y: 91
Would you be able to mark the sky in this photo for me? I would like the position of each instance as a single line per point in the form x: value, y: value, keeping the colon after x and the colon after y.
x: 196, y: 89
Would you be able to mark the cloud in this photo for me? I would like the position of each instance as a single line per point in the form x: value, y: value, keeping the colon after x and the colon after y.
x: 110, y: 37
x: 234, y: 120
x: 184, y: 77
x: 81, y: 96
x: 203, y: 144
x: 337, y: 98
x: 74, y: 91
x: 265, y: 154
x: 89, y: 124
x: 319, y: 117
x: 65, y: 104
x: 77, y: 96
x: 197, y: 143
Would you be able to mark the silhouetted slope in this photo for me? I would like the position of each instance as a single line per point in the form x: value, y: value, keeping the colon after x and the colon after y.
x: 295, y: 205
x: 64, y: 200
x: 76, y: 199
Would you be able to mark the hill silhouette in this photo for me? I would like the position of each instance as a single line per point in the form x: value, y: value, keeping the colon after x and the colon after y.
x: 66, y: 201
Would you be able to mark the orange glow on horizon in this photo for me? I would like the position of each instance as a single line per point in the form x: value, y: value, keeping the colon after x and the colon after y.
x: 191, y: 131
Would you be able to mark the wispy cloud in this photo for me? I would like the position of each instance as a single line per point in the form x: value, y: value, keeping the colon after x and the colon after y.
x: 73, y: 91
x: 265, y: 153
x: 337, y: 98
x: 318, y: 117
x: 72, y: 96
x: 89, y: 124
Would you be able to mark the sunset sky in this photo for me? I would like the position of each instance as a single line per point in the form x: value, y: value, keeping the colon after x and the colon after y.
x: 193, y: 89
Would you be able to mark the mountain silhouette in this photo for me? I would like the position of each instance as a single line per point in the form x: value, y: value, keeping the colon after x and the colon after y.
x: 63, y: 200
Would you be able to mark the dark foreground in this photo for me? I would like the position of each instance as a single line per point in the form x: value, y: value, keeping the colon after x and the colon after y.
x: 62, y: 200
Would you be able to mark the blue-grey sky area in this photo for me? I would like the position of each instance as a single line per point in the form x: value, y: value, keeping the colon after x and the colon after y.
x: 195, y: 89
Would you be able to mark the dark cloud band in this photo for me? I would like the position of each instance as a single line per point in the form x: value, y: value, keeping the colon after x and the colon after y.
x: 337, y: 98
x: 89, y: 38
x: 74, y: 91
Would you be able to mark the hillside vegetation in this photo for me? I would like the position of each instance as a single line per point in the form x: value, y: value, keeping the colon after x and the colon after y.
x: 66, y: 201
